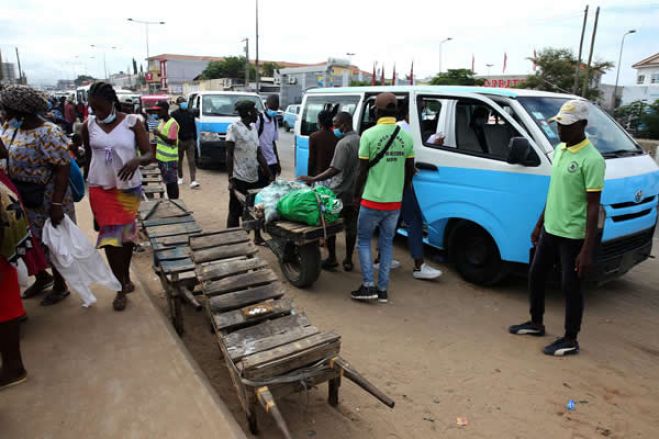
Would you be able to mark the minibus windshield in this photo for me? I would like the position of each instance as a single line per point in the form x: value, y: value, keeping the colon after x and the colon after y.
x: 224, y: 105
x: 603, y: 132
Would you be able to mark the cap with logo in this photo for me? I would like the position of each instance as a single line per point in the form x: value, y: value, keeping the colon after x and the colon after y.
x: 571, y: 112
x: 386, y: 101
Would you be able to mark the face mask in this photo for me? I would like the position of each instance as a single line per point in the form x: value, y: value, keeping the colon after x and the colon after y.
x: 15, y: 123
x: 153, y: 116
x: 271, y: 113
x: 183, y: 105
x: 338, y: 133
x: 111, y: 118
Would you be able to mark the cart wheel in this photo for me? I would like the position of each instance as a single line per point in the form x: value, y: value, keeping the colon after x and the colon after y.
x: 301, y: 265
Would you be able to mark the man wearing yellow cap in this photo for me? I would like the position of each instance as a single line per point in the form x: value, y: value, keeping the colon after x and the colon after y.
x: 567, y: 229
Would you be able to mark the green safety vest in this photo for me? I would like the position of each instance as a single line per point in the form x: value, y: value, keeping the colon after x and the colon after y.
x: 165, y: 152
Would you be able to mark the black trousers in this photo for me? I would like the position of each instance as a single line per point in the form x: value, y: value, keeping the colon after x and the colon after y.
x: 552, y: 249
x: 349, y: 215
x: 235, y: 207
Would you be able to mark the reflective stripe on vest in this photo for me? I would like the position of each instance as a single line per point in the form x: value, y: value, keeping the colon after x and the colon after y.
x: 165, y: 152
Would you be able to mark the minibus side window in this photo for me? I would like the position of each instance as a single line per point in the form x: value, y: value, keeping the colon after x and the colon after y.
x: 429, y: 112
x: 316, y: 104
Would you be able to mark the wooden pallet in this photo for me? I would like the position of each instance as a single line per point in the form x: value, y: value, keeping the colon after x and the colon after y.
x: 270, y: 348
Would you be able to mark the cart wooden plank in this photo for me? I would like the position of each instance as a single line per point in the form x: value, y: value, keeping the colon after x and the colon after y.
x: 297, y: 231
x: 221, y: 231
x: 218, y: 269
x: 181, y: 219
x: 239, y: 282
x: 242, y: 298
x: 148, y: 189
x: 169, y: 241
x: 265, y: 329
x: 151, y: 179
x: 173, y: 253
x: 224, y: 252
x: 176, y: 266
x: 202, y: 242
x: 290, y: 356
x: 267, y: 343
x: 237, y: 319
x: 173, y: 229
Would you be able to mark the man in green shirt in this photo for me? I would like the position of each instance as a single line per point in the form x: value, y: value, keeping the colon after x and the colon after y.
x: 567, y: 229
x: 386, y: 166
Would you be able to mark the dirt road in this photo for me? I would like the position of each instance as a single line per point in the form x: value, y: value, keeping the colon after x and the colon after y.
x: 441, y: 350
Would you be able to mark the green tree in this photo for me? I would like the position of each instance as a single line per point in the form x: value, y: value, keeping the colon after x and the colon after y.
x: 456, y: 77
x: 556, y: 69
x: 269, y: 68
x: 650, y: 121
x: 83, y: 79
x: 229, y: 67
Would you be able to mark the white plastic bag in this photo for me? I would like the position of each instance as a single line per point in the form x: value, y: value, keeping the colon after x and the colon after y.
x: 77, y: 260
x: 23, y: 276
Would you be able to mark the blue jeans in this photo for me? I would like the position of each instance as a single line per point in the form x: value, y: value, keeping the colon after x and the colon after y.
x: 368, y: 221
x: 410, y: 213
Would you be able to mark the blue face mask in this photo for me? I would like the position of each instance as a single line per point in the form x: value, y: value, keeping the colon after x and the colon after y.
x: 271, y: 113
x: 111, y: 118
x: 338, y: 133
x: 183, y: 105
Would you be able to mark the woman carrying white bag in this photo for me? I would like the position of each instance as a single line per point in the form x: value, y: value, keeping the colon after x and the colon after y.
x: 77, y: 260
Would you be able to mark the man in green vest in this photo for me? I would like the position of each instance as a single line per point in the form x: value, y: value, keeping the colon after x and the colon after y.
x: 167, y: 148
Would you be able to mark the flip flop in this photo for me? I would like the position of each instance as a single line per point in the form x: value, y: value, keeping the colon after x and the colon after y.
x: 129, y: 287
x: 348, y: 266
x: 34, y: 291
x: 54, y: 297
x: 329, y: 265
x: 20, y: 379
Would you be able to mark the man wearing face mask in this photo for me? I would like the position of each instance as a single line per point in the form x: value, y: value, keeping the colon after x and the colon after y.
x: 187, y: 137
x: 167, y: 148
x: 268, y: 131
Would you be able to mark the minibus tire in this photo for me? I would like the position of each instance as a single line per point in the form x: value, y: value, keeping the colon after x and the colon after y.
x: 287, y: 127
x: 301, y: 265
x: 476, y: 255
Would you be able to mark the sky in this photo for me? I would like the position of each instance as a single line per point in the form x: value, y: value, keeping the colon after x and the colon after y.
x: 54, y: 38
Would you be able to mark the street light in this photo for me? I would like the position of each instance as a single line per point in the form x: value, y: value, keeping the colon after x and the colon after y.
x: 105, y: 66
x: 146, y: 27
x: 615, y: 89
x: 441, y: 43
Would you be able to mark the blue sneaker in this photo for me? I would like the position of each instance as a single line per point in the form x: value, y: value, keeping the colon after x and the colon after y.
x: 562, y: 347
x: 528, y: 328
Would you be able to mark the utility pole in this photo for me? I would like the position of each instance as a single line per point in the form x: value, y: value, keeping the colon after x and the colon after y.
x: 586, y: 78
x: 615, y: 89
x: 20, y: 71
x: 246, y: 41
x: 257, y: 48
x: 575, y: 89
x: 2, y: 72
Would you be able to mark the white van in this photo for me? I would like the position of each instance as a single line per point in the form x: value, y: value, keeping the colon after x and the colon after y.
x: 214, y: 111
x: 481, y: 191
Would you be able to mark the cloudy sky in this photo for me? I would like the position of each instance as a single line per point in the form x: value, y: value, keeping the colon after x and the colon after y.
x: 54, y: 38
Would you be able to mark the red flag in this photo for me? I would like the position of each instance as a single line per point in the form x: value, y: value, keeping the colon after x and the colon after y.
x: 393, y: 76
x: 412, y: 74
x: 373, y: 75
x: 505, y: 61
x: 535, y: 57
x: 382, y: 75
x: 473, y: 63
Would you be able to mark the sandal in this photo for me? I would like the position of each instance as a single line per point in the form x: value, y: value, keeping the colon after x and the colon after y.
x: 129, y: 287
x: 347, y: 266
x: 54, y: 297
x: 119, y: 302
x: 11, y: 382
x: 329, y: 265
x: 35, y: 289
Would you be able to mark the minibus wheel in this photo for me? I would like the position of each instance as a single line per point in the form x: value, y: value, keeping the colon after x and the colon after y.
x: 476, y: 255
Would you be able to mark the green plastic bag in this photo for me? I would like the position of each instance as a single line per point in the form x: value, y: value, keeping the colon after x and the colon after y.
x: 305, y: 206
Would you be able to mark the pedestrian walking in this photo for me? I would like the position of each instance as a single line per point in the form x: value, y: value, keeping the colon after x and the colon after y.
x: 386, y: 166
x: 167, y: 153
x: 187, y: 141
x: 321, y: 144
x: 567, y: 229
x: 341, y: 177
x: 38, y: 165
x: 244, y: 157
x: 111, y: 140
x: 268, y: 131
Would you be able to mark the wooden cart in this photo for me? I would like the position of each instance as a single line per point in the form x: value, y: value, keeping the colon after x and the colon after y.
x: 270, y: 348
x: 152, y: 184
x: 169, y: 224
x: 297, y: 246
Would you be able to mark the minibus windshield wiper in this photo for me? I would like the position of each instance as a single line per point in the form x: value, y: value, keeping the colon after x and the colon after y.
x: 622, y: 153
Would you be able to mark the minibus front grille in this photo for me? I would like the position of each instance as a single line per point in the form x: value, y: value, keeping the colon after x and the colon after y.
x: 630, y: 216
x: 632, y: 203
x: 618, y: 247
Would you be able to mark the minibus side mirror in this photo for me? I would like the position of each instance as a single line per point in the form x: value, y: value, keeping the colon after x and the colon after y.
x: 522, y: 153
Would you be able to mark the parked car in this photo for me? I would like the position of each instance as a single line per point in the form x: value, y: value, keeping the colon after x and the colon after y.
x: 290, y: 117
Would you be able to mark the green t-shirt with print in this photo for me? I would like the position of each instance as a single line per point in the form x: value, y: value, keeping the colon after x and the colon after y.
x: 575, y: 171
x: 386, y: 179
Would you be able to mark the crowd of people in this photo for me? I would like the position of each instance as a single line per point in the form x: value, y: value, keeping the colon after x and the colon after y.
x: 371, y: 174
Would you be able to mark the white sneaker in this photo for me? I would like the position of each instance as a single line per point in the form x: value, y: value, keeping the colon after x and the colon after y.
x: 395, y: 263
x: 426, y: 272
x: 180, y: 181
x: 194, y: 184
